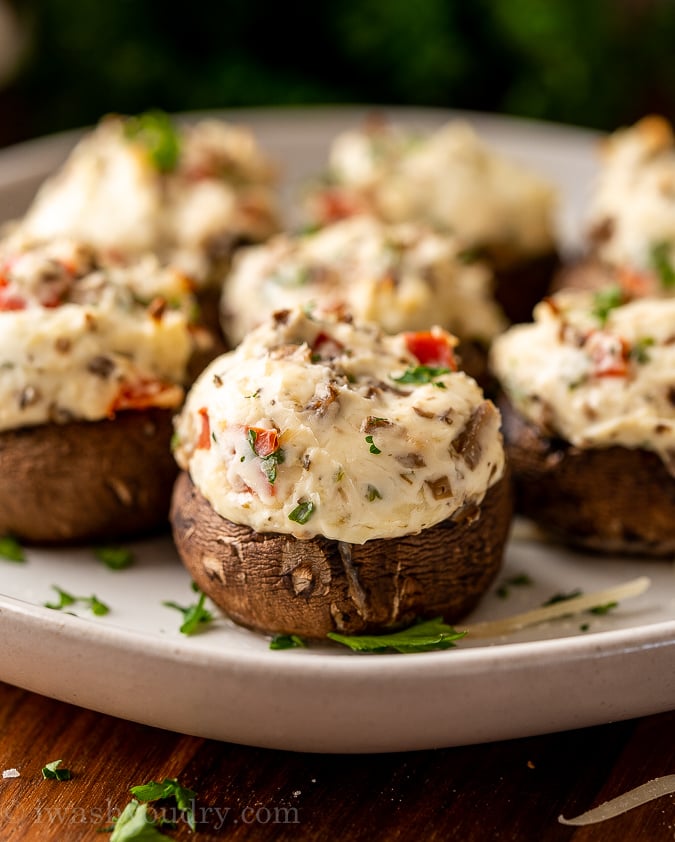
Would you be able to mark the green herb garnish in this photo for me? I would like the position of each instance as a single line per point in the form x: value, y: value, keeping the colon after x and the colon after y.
x: 11, y: 549
x: 51, y: 771
x: 66, y: 600
x: 195, y: 616
x: 562, y: 597
x: 373, y: 494
x: 116, y: 558
x: 421, y: 374
x: 519, y: 580
x: 597, y: 609
x: 169, y: 788
x: 639, y: 350
x: 606, y: 300
x: 269, y: 464
x: 603, y: 609
x: 287, y: 641
x: 302, y: 512
x: 373, y: 447
x: 659, y: 256
x: 135, y: 825
x: 155, y: 131
x: 422, y: 637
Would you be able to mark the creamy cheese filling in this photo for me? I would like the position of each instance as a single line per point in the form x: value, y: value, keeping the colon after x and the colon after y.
x: 76, y: 342
x: 317, y: 426
x: 593, y: 374
x: 404, y: 277
x: 207, y: 186
x: 632, y: 214
x: 449, y: 179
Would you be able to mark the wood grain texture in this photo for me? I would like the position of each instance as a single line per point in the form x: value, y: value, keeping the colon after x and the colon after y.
x: 511, y: 791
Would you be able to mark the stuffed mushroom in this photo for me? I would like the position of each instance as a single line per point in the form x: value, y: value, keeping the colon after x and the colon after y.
x: 452, y: 181
x: 90, y: 377
x: 589, y: 419
x: 339, y: 479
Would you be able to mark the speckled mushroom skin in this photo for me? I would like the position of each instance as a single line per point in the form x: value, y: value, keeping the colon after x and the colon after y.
x: 87, y: 480
x: 278, y: 584
x: 611, y: 499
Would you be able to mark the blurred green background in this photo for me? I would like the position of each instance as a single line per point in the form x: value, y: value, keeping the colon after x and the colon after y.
x: 598, y: 63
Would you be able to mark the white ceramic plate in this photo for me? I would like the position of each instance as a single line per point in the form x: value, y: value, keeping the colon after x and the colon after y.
x: 225, y: 683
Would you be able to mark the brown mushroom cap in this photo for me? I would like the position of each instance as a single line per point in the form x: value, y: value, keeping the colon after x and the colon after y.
x: 612, y: 499
x: 278, y: 584
x: 87, y: 480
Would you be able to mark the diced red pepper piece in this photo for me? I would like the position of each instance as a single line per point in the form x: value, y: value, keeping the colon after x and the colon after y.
x: 608, y: 353
x: 336, y: 204
x: 326, y: 347
x: 204, y: 441
x: 637, y: 284
x: 432, y: 348
x: 145, y: 394
x: 266, y: 441
x: 11, y: 301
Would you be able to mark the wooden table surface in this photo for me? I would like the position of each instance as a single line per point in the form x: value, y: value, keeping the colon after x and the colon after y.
x: 499, y: 791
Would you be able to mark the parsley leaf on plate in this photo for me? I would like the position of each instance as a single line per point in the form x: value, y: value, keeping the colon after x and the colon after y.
x: 11, y: 549
x: 195, y: 616
x: 422, y: 637
x: 287, y: 641
x: 116, y: 558
x: 66, y: 600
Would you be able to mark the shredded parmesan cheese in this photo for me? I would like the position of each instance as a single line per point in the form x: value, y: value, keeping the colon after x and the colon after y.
x: 496, y: 628
x: 622, y: 803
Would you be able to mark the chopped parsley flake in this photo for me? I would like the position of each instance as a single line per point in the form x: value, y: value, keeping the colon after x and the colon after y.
x: 66, y: 600
x: 287, y: 641
x: 517, y: 581
x: 421, y: 374
x: 603, y: 609
x: 155, y: 131
x: 135, y: 825
x: 11, y: 549
x: 373, y: 494
x: 195, y: 616
x: 639, y: 350
x: 562, y: 597
x: 51, y: 771
x: 373, y: 447
x: 116, y: 558
x: 606, y: 300
x: 422, y: 637
x: 660, y: 260
x: 270, y: 463
x: 302, y: 512
x: 169, y: 788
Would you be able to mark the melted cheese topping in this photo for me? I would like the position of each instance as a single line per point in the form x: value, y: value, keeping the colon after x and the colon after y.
x: 632, y: 215
x: 595, y: 384
x: 112, y: 195
x: 448, y: 179
x: 403, y: 277
x: 76, y: 342
x: 304, y: 430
